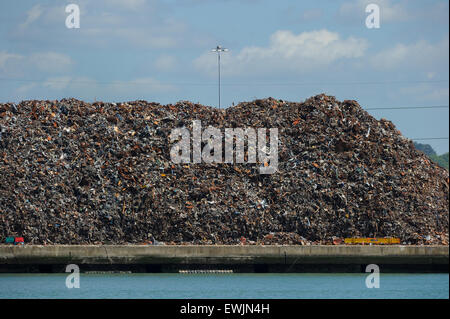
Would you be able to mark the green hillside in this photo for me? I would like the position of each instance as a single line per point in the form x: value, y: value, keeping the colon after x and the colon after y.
x: 442, y: 160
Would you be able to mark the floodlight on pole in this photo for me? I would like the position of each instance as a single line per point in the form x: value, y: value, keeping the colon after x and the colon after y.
x: 219, y: 49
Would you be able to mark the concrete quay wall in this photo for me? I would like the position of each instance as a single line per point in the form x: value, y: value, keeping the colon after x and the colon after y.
x: 250, y: 258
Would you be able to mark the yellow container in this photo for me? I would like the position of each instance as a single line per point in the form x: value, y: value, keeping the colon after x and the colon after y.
x: 383, y: 241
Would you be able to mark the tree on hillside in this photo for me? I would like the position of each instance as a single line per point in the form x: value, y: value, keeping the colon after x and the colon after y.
x: 441, y: 160
x: 426, y: 148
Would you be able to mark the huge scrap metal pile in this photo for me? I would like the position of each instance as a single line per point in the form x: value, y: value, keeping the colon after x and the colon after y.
x: 75, y: 173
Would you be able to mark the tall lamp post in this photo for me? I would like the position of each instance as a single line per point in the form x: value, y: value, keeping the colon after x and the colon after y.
x: 219, y: 49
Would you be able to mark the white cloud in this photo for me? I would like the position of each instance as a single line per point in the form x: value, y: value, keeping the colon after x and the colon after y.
x: 128, y: 4
x: 13, y: 64
x: 431, y: 13
x: 141, y: 85
x: 427, y: 93
x: 5, y: 56
x: 311, y: 15
x: 418, y: 55
x: 104, y: 23
x: 25, y: 88
x: 431, y: 75
x: 147, y: 84
x: 87, y: 88
x: 51, y: 61
x: 57, y: 83
x: 294, y: 15
x: 35, y: 65
x: 81, y: 84
x: 32, y: 15
x: 141, y: 37
x: 287, y: 52
x: 355, y: 11
x: 165, y: 62
x: 438, y: 94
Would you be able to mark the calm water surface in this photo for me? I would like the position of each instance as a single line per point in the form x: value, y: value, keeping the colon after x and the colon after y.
x: 284, y: 286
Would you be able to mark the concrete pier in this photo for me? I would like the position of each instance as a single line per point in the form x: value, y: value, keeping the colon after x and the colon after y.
x: 142, y: 258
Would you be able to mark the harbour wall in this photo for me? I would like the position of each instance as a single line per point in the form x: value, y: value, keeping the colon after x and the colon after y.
x: 245, y: 258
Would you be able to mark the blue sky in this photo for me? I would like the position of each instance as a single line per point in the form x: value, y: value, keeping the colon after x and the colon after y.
x: 160, y: 51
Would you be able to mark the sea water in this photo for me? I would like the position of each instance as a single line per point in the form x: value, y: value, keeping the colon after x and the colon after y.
x: 258, y: 286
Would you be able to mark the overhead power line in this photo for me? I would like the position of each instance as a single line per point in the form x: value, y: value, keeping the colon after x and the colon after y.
x: 429, y: 138
x: 223, y: 84
x: 408, y: 107
x: 337, y: 83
